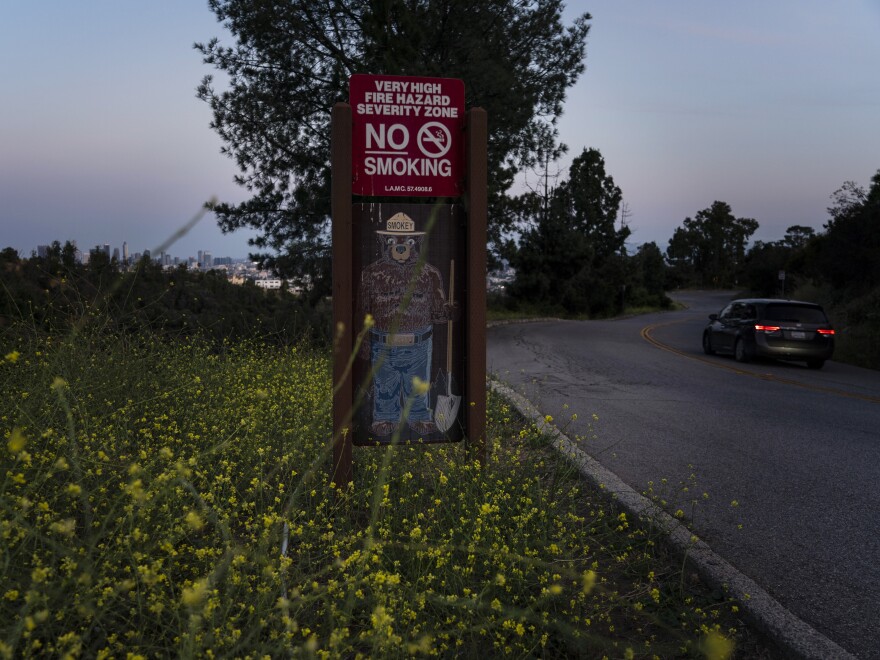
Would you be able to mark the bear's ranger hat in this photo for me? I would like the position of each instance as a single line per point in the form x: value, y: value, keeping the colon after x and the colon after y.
x: 400, y: 224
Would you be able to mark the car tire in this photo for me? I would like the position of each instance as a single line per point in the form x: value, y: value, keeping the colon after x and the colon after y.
x: 707, y: 344
x: 815, y: 364
x: 740, y: 351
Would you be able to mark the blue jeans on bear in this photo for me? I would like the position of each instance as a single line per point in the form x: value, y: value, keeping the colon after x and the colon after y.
x: 396, y: 366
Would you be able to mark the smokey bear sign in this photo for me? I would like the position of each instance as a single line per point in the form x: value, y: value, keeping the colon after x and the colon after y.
x: 409, y: 367
x: 409, y: 276
x: 407, y: 136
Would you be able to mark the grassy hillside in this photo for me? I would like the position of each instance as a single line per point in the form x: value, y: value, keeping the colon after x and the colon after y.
x: 164, y: 498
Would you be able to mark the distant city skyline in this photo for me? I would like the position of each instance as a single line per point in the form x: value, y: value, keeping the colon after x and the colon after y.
x: 769, y: 107
x: 126, y: 254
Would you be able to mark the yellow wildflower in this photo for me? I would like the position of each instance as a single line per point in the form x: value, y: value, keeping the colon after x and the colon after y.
x: 17, y: 441
x: 39, y: 574
x: 420, y: 386
x: 194, y: 595
x: 194, y: 520
x: 716, y: 646
x: 589, y: 581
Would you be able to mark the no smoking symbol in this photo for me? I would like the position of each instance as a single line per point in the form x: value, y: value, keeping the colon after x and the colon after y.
x: 434, y: 139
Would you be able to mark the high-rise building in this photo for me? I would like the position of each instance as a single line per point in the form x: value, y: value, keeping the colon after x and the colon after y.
x: 125, y: 252
x: 116, y: 254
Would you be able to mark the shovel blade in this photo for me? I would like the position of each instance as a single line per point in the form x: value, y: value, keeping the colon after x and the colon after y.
x: 446, y: 411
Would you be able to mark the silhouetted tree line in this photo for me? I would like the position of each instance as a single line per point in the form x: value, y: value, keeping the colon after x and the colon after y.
x: 710, y: 250
x: 571, y: 258
x: 56, y: 294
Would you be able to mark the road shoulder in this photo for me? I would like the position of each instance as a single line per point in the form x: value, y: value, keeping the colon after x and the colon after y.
x: 790, y: 633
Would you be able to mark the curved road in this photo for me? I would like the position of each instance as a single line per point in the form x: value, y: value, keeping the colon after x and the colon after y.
x: 797, y: 449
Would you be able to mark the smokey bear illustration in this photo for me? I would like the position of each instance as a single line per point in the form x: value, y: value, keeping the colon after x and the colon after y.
x: 405, y: 297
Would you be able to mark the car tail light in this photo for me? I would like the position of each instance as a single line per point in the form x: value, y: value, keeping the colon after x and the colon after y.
x: 825, y: 331
x: 767, y: 328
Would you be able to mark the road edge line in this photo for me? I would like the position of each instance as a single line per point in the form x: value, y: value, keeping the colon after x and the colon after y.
x: 789, y: 632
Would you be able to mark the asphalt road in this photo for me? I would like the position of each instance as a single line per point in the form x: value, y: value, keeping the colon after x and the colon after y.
x: 797, y: 449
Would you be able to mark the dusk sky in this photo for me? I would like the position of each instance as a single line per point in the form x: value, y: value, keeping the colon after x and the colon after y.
x: 768, y: 106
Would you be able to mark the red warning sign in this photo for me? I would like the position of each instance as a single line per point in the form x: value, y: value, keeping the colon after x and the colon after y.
x: 407, y: 136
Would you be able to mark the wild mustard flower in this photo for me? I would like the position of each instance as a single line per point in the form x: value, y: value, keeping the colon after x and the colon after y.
x: 12, y: 357
x: 17, y: 441
x: 716, y: 646
x: 40, y: 574
x: 588, y: 582
x: 194, y: 595
x: 194, y: 520
x: 420, y: 386
x: 136, y: 490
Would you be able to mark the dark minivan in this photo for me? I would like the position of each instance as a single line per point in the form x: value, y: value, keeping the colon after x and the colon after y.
x: 766, y: 327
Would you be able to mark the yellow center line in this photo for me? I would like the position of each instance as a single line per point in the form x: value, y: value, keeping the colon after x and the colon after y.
x: 648, y: 337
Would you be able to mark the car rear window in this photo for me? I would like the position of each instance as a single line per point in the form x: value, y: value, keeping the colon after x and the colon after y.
x: 795, y: 314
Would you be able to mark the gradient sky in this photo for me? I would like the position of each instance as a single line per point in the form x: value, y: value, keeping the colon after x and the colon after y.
x: 768, y: 106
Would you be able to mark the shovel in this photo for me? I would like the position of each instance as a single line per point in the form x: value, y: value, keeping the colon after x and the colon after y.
x: 446, y: 410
